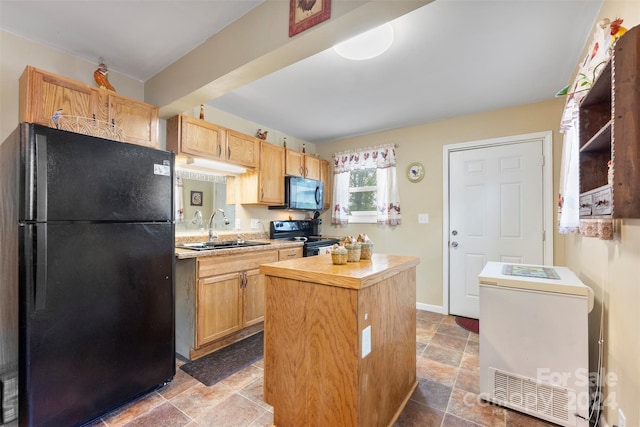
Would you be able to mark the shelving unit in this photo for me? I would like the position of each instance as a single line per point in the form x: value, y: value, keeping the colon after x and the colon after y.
x: 610, y: 131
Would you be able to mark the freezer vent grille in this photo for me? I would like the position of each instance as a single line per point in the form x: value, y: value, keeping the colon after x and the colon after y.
x: 532, y: 396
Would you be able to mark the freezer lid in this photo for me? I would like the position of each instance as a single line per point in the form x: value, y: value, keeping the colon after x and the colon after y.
x: 567, y: 282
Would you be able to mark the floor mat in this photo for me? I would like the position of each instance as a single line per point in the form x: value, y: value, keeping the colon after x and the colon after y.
x: 471, y: 325
x: 225, y: 362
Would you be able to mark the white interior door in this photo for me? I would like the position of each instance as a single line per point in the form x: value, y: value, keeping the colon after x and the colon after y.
x: 496, y: 213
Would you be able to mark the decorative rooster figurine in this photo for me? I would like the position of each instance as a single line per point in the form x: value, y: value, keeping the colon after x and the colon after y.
x: 101, y: 76
x: 262, y: 135
x: 617, y: 30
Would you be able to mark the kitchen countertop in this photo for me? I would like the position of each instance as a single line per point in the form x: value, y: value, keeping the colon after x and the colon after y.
x: 182, y: 253
x: 352, y: 275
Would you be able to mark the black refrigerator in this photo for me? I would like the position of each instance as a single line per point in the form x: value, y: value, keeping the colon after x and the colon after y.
x: 87, y: 292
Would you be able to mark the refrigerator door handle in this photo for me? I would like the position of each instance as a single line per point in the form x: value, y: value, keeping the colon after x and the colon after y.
x: 41, y: 177
x: 40, y: 268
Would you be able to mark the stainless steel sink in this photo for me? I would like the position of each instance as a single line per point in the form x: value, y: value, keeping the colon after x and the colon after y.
x: 208, y: 246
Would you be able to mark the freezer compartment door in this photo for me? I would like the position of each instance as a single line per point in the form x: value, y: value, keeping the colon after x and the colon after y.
x: 99, y: 318
x: 73, y: 177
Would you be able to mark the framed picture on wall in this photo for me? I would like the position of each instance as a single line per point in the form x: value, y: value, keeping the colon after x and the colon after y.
x: 196, y: 198
x: 304, y: 14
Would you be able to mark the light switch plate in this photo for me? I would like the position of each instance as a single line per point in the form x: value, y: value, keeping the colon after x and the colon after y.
x: 254, y: 223
x: 238, y: 223
x: 423, y: 218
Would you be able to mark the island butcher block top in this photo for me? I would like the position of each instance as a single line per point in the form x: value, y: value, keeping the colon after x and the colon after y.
x: 352, y: 275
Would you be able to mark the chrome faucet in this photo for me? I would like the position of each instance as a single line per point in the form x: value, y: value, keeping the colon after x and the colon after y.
x: 197, y: 218
x: 212, y: 234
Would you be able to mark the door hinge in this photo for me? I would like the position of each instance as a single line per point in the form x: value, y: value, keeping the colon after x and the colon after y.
x: 543, y: 160
x: 544, y: 236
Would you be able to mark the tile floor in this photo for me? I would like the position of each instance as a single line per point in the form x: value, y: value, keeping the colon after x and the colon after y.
x: 447, y: 370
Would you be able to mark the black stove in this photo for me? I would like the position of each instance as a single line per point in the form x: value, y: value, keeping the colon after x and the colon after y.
x: 301, y: 230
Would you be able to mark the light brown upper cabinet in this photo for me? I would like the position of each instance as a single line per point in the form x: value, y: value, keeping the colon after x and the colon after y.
x: 243, y: 149
x: 189, y: 136
x: 325, y: 177
x: 300, y: 164
x: 194, y: 137
x: 266, y: 184
x: 43, y: 93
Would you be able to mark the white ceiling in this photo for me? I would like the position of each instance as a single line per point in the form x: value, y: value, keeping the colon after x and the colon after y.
x: 449, y: 58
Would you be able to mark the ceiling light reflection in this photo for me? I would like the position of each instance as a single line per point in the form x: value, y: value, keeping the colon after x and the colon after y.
x: 368, y: 44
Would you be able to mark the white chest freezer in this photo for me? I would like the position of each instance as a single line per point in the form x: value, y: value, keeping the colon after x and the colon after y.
x: 534, y: 354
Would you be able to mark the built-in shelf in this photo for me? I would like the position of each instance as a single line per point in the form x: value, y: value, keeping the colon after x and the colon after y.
x: 600, y: 141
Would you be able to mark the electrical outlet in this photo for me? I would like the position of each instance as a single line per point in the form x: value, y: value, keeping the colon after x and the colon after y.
x: 366, y: 341
x: 423, y: 218
x: 238, y: 224
x: 255, y: 223
x: 622, y: 420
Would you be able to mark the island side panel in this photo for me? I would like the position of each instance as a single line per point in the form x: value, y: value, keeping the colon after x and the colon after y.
x: 185, y: 279
x: 311, y: 344
x: 387, y: 375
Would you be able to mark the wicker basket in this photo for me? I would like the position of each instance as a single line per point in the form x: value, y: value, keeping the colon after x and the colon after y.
x: 366, y: 250
x: 353, y: 252
x: 339, y: 256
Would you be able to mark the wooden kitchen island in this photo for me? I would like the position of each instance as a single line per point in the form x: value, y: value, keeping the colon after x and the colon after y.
x: 340, y: 340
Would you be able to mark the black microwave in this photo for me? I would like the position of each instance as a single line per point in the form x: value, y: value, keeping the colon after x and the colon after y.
x: 302, y: 194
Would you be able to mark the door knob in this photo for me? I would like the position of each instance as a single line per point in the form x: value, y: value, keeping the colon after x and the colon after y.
x: 454, y: 244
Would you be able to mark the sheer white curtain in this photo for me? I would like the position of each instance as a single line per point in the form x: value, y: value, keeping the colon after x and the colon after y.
x: 569, y: 187
x: 383, y: 159
x: 569, y: 191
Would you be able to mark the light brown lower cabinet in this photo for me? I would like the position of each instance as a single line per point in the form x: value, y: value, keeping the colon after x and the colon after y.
x: 219, y: 300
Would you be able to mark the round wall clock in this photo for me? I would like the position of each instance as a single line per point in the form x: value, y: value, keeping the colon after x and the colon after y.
x: 415, y: 172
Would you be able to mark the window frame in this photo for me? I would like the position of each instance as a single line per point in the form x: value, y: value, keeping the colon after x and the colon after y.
x: 363, y: 217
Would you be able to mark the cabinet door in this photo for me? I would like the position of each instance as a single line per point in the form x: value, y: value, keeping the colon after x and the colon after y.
x: 294, y: 163
x: 312, y: 167
x: 243, y: 149
x: 325, y: 177
x: 42, y: 94
x: 138, y: 121
x: 202, y: 139
x: 253, y: 299
x: 218, y: 307
x: 271, y: 179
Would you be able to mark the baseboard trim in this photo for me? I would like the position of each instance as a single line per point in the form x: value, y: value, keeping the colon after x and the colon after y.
x: 429, y: 307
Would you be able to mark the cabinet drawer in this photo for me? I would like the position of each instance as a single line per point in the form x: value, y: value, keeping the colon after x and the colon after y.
x: 602, y: 202
x: 289, y: 253
x: 586, y: 203
x: 222, y: 264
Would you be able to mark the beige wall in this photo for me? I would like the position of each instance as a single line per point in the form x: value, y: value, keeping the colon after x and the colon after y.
x: 424, y: 144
